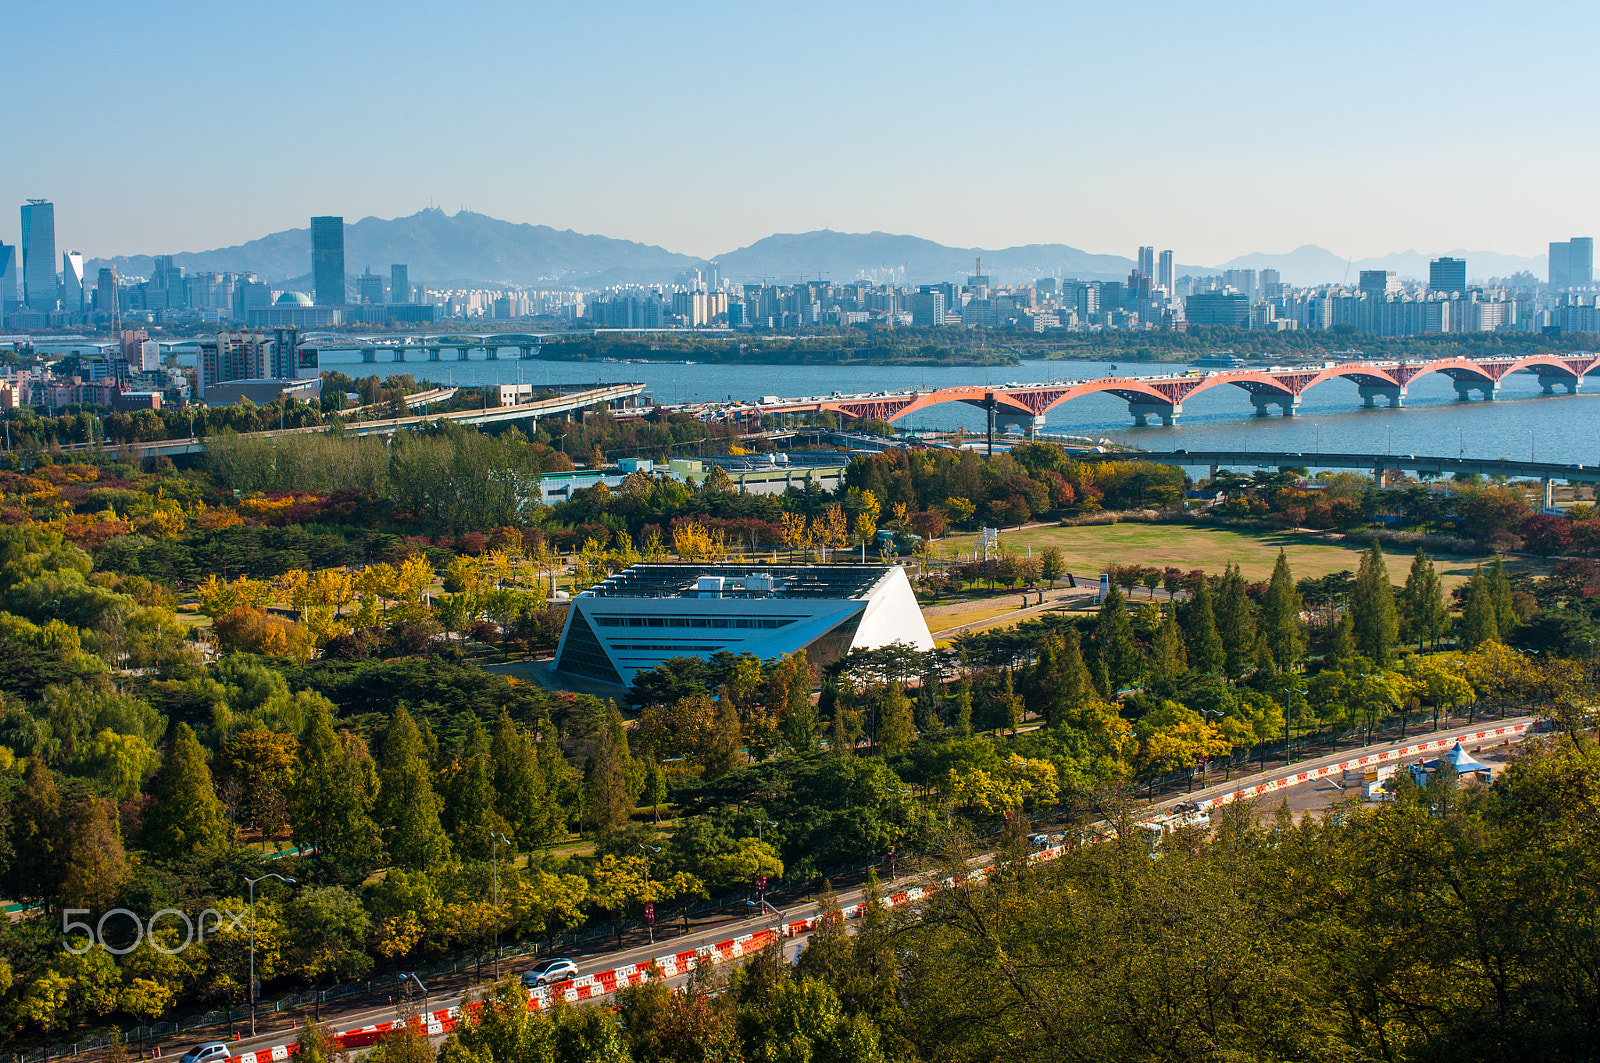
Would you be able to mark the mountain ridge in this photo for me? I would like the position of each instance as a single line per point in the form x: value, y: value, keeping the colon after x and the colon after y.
x: 467, y: 249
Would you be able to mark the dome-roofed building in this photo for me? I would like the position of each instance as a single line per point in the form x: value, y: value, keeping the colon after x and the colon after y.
x: 294, y: 299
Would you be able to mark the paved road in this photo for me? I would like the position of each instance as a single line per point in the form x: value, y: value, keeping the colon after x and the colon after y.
x: 1304, y: 795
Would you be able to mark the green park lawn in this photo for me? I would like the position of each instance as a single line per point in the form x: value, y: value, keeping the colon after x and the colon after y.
x: 1090, y: 549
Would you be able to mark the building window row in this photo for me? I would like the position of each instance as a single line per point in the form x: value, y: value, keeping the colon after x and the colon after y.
x: 768, y: 622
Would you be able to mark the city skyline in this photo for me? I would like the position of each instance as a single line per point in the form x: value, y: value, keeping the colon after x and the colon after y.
x: 913, y: 119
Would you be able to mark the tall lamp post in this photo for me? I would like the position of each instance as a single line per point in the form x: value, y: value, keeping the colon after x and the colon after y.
x: 495, y: 838
x: 252, y: 882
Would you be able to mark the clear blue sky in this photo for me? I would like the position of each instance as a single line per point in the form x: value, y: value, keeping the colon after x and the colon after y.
x: 1214, y: 129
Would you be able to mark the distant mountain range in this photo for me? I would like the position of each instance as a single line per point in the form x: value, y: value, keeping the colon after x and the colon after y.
x: 445, y: 250
x: 474, y: 250
x: 1310, y: 264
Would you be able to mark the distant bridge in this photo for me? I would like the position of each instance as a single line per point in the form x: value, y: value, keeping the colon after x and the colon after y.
x: 605, y: 395
x: 431, y: 347
x: 1163, y: 396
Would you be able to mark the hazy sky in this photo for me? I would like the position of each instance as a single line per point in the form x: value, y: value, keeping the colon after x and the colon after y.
x: 1213, y: 129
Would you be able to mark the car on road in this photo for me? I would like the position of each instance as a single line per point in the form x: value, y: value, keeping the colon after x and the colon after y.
x: 207, y: 1052
x: 549, y: 972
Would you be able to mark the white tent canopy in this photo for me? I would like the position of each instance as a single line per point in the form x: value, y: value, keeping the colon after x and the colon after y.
x: 1462, y: 761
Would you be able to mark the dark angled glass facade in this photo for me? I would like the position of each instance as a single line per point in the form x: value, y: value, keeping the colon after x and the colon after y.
x: 327, y: 260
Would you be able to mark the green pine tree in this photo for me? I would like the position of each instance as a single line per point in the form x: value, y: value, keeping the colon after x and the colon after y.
x: 1479, y: 621
x: 1205, y: 650
x: 605, y: 777
x: 522, y: 793
x: 1505, y: 616
x: 330, y: 804
x: 187, y: 823
x: 1375, y: 619
x: 1422, y: 609
x: 408, y: 807
x: 1114, y: 645
x: 1280, y: 617
x: 1236, y: 624
x: 961, y: 707
x: 469, y: 806
x: 1167, y: 656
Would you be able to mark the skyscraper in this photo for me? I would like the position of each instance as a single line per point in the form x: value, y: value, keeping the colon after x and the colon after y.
x: 105, y: 300
x: 1447, y: 275
x: 1147, y: 262
x: 1580, y: 261
x: 1560, y: 264
x: 399, y: 283
x: 8, y: 278
x: 39, y: 255
x: 369, y: 287
x: 72, y: 299
x: 327, y: 260
x: 1164, y: 273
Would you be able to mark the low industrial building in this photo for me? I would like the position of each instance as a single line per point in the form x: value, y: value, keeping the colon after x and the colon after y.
x: 648, y: 613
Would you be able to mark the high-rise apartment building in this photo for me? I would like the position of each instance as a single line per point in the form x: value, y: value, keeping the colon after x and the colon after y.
x: 72, y: 296
x: 1165, y: 276
x: 1242, y: 281
x: 1447, y: 275
x: 39, y: 255
x: 1379, y: 283
x: 1269, y: 283
x: 928, y: 307
x: 1147, y: 261
x: 8, y: 278
x: 327, y: 260
x: 399, y: 284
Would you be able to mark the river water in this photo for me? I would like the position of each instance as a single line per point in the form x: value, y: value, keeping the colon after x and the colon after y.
x: 1520, y: 425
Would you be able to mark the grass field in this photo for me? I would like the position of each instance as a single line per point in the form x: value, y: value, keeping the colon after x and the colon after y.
x: 1090, y: 549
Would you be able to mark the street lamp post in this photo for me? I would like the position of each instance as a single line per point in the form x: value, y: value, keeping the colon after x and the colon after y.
x: 495, y: 838
x: 782, y: 917
x: 252, y: 882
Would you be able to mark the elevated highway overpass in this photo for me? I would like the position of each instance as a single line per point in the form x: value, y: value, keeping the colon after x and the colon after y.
x: 602, y: 395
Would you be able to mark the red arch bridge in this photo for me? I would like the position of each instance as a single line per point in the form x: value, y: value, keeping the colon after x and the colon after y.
x: 1163, y: 396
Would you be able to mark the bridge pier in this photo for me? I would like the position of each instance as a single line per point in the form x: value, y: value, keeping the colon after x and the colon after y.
x: 461, y: 354
x: 1143, y: 411
x: 493, y: 353
x: 1028, y: 423
x: 1548, y: 384
x: 1370, y: 393
x: 1290, y: 404
x: 369, y: 355
x: 526, y: 353
x: 1465, y: 388
x: 433, y: 354
x: 399, y: 355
